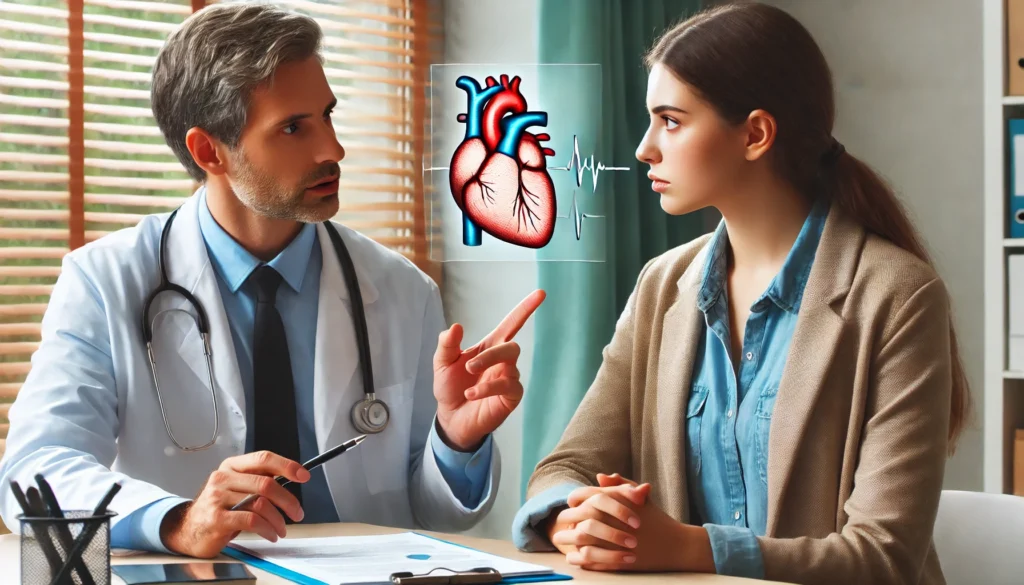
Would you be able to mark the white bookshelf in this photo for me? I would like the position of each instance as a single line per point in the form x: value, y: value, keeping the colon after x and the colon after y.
x: 1003, y: 390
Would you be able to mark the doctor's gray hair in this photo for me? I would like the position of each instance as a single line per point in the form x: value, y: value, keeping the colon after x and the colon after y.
x: 209, y: 67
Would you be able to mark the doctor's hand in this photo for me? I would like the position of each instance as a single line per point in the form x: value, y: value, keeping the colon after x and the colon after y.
x: 477, y: 388
x: 204, y: 526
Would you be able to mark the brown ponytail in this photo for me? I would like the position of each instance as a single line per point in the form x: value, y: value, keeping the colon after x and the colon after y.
x: 747, y: 56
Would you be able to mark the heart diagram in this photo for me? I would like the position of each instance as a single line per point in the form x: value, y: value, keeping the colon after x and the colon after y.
x: 498, y: 174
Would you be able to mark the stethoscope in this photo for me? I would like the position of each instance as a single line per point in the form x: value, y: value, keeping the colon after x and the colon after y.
x: 369, y: 415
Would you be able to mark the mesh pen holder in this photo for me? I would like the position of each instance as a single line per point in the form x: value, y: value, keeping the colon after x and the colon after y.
x: 47, y: 544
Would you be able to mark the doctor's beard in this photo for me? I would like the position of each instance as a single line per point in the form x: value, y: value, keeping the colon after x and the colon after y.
x: 265, y: 195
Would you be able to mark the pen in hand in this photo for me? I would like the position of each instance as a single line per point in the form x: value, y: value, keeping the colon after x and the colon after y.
x: 309, y: 466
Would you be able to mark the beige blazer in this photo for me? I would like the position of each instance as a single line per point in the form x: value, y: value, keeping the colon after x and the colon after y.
x: 857, y: 444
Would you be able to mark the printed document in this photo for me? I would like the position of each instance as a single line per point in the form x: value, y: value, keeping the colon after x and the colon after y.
x: 344, y: 560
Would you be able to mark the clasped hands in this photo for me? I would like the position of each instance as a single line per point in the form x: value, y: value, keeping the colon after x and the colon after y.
x: 613, y: 527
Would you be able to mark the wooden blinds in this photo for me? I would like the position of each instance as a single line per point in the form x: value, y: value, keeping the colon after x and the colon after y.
x: 81, y: 156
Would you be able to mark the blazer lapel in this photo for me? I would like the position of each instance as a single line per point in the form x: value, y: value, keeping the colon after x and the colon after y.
x: 816, y: 339
x: 188, y: 266
x: 681, y: 330
x: 336, y: 387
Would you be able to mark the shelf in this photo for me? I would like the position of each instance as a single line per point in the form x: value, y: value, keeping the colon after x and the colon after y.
x: 1013, y: 243
x: 1013, y: 100
x: 1013, y: 375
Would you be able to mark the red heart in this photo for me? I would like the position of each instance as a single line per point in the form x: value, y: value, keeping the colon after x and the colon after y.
x: 498, y: 174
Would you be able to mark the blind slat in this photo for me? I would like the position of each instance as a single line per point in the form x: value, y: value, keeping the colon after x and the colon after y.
x: 117, y: 165
x: 5, y: 409
x: 333, y: 10
x: 22, y: 309
x: 33, y: 234
x: 130, y: 23
x: 32, y: 252
x: 133, y: 200
x: 9, y: 390
x: 20, y: 329
x: 28, y: 272
x: 28, y: 290
x: 148, y: 6
x: 101, y: 109
x: 19, y: 195
x: 49, y: 66
x: 12, y: 369
x: 17, y: 348
x: 32, y: 10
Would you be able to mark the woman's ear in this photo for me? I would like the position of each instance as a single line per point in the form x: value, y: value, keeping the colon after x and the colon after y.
x: 206, y: 151
x: 761, y: 130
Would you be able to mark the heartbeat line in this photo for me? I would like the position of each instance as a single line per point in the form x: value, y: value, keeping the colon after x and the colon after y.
x: 582, y: 165
x: 577, y: 217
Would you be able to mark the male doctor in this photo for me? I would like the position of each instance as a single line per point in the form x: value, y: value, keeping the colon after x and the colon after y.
x: 241, y: 97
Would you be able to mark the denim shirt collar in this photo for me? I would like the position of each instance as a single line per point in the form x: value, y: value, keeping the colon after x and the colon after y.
x: 786, y: 290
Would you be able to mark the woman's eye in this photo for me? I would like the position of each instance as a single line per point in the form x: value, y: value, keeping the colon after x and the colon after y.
x: 669, y: 122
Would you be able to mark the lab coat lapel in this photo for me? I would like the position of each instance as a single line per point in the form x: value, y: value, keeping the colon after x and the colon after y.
x: 337, y: 384
x: 188, y: 266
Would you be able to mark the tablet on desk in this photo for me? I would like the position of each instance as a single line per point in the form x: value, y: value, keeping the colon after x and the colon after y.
x: 183, y: 574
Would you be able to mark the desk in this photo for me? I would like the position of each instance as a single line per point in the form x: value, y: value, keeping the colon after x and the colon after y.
x: 10, y: 559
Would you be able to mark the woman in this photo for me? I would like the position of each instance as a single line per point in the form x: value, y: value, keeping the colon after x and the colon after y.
x: 788, y: 388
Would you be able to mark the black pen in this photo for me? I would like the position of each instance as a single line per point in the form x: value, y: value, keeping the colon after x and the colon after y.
x: 51, y: 553
x: 63, y: 531
x: 86, y: 536
x: 308, y: 466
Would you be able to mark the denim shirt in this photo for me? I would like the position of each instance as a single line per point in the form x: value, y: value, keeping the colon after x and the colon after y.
x: 727, y: 447
x: 729, y: 412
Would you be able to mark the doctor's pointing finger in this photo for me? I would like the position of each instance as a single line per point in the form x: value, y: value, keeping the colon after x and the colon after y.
x: 478, y: 388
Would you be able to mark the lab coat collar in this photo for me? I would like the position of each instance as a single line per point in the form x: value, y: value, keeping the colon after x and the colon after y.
x: 188, y: 265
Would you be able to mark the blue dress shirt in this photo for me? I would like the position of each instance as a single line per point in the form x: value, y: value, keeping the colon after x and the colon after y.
x: 298, y: 302
x: 726, y: 423
x: 729, y: 412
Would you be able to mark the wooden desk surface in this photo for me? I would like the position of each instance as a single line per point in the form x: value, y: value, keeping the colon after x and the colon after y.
x: 10, y: 552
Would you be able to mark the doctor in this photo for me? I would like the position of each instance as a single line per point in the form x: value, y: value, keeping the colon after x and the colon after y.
x: 241, y: 97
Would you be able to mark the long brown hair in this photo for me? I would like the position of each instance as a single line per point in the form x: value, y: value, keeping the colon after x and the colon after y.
x: 747, y: 56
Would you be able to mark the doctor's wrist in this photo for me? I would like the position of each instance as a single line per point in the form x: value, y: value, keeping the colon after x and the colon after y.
x: 454, y: 441
x: 170, y: 528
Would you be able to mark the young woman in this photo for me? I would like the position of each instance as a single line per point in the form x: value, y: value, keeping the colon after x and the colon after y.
x: 786, y: 389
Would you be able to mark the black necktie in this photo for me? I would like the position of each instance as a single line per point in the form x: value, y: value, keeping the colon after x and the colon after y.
x: 277, y: 427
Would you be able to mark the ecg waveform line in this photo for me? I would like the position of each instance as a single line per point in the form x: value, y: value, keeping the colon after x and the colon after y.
x: 577, y: 217
x: 583, y: 165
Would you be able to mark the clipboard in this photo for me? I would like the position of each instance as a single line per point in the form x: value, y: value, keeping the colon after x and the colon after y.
x: 483, y: 575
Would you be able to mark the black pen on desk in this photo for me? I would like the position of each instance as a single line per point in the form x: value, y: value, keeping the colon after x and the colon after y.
x: 308, y: 466
x: 63, y: 530
x: 51, y: 553
x: 85, y: 537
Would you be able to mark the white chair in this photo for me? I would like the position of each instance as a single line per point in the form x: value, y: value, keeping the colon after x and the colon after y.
x: 979, y: 538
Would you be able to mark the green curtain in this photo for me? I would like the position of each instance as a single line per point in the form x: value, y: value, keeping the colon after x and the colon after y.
x: 584, y: 299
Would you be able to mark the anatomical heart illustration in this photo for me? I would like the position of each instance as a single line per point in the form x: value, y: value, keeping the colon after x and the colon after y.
x: 498, y: 174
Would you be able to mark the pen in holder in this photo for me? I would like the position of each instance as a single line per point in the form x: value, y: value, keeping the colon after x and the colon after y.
x: 45, y: 560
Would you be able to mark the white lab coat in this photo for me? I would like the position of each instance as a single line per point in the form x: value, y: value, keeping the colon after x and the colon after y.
x: 88, y: 415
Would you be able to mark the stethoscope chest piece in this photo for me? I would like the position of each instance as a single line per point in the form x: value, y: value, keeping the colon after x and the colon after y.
x: 370, y: 415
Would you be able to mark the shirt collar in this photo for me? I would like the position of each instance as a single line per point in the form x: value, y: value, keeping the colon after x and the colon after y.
x: 787, y: 288
x: 234, y: 263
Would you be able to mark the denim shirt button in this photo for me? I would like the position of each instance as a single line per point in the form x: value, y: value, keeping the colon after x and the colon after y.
x: 736, y: 515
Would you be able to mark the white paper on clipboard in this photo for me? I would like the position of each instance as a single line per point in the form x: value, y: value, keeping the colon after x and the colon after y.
x: 344, y: 560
